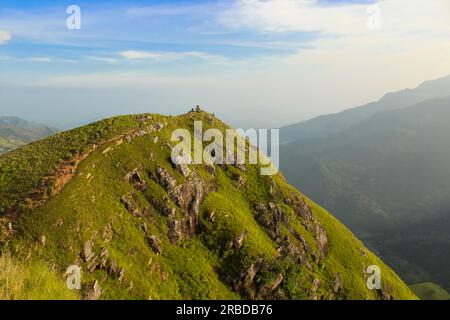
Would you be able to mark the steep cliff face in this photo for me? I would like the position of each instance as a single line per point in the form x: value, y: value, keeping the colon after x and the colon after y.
x: 107, y: 198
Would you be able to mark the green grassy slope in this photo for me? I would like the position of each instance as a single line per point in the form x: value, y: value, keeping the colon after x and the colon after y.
x: 107, y: 198
x: 387, y: 179
x: 430, y: 291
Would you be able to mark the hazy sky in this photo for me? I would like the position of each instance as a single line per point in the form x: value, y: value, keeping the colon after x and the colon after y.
x: 252, y: 62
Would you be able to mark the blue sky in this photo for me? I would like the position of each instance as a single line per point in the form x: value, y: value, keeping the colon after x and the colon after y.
x: 112, y: 27
x: 274, y: 61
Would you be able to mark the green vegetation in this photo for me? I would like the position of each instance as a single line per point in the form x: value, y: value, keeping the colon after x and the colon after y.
x: 387, y: 179
x: 71, y: 203
x: 430, y: 291
x: 35, y: 281
x: 15, y: 132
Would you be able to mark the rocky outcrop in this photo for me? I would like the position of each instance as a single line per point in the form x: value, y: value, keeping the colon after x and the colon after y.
x: 165, y: 179
x: 287, y: 247
x: 131, y: 204
x: 93, y: 291
x: 245, y: 281
x: 300, y: 208
x: 268, y: 290
x: 177, y: 231
x: 237, y: 243
x: 181, y: 163
x: 337, y: 283
x: 88, y: 255
x: 108, y: 233
x: 155, y: 244
x: 322, y: 240
x: 115, y: 271
x: 135, y: 178
x: 188, y: 196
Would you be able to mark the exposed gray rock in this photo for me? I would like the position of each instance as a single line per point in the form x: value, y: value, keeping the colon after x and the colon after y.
x: 237, y: 243
x: 245, y: 281
x: 177, y: 231
x: 322, y: 240
x: 134, y: 177
x: 272, y: 186
x: 289, y: 248
x: 315, y: 285
x: 267, y: 290
x: 337, y: 284
x: 165, y: 179
x: 300, y: 207
x: 93, y: 291
x: 103, y: 259
x: 128, y: 204
x: 108, y: 233
x: 155, y: 244
x: 181, y: 163
x: 114, y: 270
x: 87, y: 252
x: 189, y: 196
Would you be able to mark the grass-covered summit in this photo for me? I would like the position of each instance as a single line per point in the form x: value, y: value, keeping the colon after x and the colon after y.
x: 106, y: 197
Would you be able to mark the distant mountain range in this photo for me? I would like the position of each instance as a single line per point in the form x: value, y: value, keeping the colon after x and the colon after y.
x: 327, y: 125
x: 15, y: 132
x: 384, y: 170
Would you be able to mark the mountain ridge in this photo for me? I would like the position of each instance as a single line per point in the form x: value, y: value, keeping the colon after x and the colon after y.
x: 327, y: 125
x: 364, y: 176
x: 110, y: 201
x: 15, y: 132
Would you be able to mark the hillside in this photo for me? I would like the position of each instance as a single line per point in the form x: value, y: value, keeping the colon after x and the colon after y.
x: 388, y: 180
x: 106, y: 197
x: 328, y: 125
x: 15, y: 132
x: 430, y: 291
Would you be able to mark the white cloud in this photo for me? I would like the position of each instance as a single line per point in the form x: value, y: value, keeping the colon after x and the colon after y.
x: 39, y: 59
x: 347, y: 64
x: 5, y: 36
x: 171, y: 56
x: 340, y: 19
x: 293, y: 16
x: 141, y: 55
x: 103, y: 59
